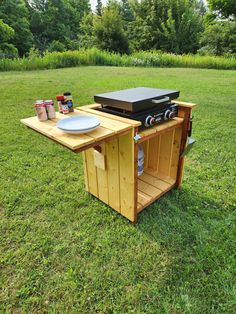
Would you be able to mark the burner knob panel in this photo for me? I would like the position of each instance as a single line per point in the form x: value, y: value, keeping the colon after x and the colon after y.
x: 149, y: 121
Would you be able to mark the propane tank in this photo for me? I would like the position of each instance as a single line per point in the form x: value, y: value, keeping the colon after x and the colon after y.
x: 140, y: 160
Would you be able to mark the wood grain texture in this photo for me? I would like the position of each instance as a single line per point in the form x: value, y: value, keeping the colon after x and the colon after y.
x: 102, y: 183
x: 107, y: 129
x: 155, y: 181
x: 113, y: 173
x: 99, y: 158
x: 145, y: 146
x: 185, y: 104
x: 91, y: 173
x: 166, y: 146
x: 185, y: 113
x: 148, y: 189
x: 85, y: 172
x: 154, y: 152
x: 126, y: 162
x: 160, y: 128
x: 175, y: 153
x: 151, y: 187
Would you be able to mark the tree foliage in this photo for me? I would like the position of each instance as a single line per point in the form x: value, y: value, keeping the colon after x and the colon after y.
x: 6, y: 33
x: 225, y: 8
x: 86, y: 37
x: 109, y: 31
x: 178, y: 26
x: 16, y: 15
x: 173, y: 25
x: 220, y: 38
x: 99, y: 7
x: 57, y: 20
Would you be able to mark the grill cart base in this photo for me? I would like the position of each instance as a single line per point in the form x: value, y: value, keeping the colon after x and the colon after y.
x: 110, y: 156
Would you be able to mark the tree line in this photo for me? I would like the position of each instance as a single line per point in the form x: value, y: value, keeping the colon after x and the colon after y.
x: 125, y: 26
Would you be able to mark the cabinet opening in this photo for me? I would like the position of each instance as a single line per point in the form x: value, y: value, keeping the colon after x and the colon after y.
x: 161, y: 158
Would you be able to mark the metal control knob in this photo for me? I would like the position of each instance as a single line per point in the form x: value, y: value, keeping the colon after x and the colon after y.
x: 149, y: 121
x: 169, y: 115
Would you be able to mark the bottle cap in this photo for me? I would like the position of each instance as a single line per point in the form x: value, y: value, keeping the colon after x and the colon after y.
x: 60, y: 97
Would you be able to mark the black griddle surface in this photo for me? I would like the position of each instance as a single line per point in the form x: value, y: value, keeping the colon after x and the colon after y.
x: 134, y: 99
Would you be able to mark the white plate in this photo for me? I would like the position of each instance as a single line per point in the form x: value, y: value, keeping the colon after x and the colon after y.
x: 79, y: 124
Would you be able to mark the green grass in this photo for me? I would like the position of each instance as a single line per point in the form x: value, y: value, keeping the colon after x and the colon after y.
x: 63, y: 251
x: 94, y: 56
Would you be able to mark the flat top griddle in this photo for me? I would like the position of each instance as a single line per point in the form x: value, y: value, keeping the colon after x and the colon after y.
x: 134, y: 99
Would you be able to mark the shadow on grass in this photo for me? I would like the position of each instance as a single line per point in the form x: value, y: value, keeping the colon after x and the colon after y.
x: 179, y: 217
x: 198, y: 237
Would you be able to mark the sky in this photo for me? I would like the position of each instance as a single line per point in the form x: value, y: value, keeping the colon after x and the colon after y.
x: 94, y: 3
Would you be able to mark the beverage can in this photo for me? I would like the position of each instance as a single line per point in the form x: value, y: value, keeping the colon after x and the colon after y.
x: 49, y: 104
x: 41, y: 110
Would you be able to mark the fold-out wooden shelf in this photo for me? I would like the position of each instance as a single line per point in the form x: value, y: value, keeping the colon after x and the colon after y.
x: 108, y: 129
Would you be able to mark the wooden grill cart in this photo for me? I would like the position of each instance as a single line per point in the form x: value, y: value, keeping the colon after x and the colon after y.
x: 110, y: 156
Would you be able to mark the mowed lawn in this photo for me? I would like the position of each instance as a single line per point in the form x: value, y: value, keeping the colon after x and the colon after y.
x: 63, y: 251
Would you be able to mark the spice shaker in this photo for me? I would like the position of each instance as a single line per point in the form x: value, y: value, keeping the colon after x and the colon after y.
x: 60, y: 99
x: 69, y: 101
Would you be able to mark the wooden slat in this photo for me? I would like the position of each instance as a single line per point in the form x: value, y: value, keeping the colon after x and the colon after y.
x: 102, y: 184
x: 148, y: 189
x: 160, y: 128
x: 135, y: 168
x: 92, y: 110
x: 143, y: 198
x: 112, y: 166
x: 166, y: 178
x: 154, y: 152
x: 186, y: 114
x: 155, y: 181
x: 184, y: 104
x: 175, y: 153
x: 139, y: 207
x: 145, y: 146
x: 85, y: 171
x: 126, y: 162
x: 159, y: 175
x: 99, y: 158
x: 91, y: 172
x: 165, y: 152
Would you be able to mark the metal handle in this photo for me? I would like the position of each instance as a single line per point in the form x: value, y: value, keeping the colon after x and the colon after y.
x: 159, y: 101
x: 190, y: 126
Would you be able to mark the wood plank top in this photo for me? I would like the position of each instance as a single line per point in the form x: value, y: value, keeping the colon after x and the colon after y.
x: 185, y: 104
x: 109, y: 128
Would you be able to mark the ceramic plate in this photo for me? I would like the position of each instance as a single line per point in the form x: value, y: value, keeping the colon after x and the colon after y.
x: 79, y: 124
